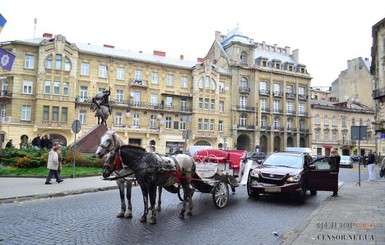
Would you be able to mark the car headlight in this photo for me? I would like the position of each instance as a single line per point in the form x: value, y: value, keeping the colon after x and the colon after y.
x: 254, y: 173
x: 295, y: 178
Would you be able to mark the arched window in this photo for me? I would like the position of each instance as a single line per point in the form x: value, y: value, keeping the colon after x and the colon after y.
x: 200, y: 83
x: 326, y: 120
x: 243, y: 120
x: 48, y: 62
x: 277, y: 123
x: 244, y: 83
x: 243, y: 58
x: 302, y: 125
x: 67, y: 64
x: 58, y: 61
x: 289, y: 124
x: 317, y: 119
x: 213, y: 84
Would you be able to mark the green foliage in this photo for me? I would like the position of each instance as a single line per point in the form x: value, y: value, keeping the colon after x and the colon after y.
x: 32, y: 158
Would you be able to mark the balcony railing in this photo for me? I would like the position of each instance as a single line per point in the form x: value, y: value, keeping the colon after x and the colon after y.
x: 5, y: 94
x: 264, y: 92
x: 277, y: 94
x: 378, y: 93
x: 347, y: 142
x: 244, y: 90
x: 290, y: 95
x: 246, y: 127
x: 303, y: 96
x: 245, y: 108
x: 138, y: 83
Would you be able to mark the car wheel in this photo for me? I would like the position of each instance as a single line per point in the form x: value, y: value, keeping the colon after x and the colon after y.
x: 252, y: 194
x: 313, y: 192
x: 302, y: 194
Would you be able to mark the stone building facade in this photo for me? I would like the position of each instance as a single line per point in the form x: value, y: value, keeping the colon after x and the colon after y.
x: 377, y: 69
x: 241, y: 95
x: 355, y: 84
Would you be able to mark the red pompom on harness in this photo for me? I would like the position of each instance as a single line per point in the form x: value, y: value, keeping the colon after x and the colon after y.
x: 118, y: 163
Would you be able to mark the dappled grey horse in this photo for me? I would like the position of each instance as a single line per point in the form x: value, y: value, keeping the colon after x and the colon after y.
x: 152, y: 171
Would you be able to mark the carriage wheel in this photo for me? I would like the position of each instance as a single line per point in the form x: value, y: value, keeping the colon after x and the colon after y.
x: 181, y: 192
x: 221, y: 194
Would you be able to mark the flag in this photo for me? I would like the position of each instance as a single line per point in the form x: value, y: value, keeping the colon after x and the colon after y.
x: 2, y: 22
x: 6, y: 59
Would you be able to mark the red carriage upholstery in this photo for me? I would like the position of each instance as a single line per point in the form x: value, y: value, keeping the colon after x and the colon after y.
x: 231, y: 157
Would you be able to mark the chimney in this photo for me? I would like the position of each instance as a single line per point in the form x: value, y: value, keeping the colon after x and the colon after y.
x: 287, y: 48
x: 47, y: 35
x: 108, y: 46
x: 200, y: 59
x: 181, y: 56
x: 159, y: 53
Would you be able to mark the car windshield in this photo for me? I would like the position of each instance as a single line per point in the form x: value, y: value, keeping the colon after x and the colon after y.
x: 345, y: 158
x: 284, y: 160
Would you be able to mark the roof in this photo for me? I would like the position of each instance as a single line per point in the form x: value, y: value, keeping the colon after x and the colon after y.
x: 237, y: 36
x: 118, y: 53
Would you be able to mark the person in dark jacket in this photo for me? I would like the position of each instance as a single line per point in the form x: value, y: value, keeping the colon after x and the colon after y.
x: 371, y: 161
x: 9, y: 144
x: 36, y: 142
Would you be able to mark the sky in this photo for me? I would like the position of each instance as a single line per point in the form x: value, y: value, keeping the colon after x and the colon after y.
x: 327, y: 33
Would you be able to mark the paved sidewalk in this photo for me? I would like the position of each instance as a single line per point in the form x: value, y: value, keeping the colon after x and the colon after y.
x: 356, y: 216
x: 23, y: 188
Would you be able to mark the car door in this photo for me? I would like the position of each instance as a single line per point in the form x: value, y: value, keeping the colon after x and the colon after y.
x: 322, y: 174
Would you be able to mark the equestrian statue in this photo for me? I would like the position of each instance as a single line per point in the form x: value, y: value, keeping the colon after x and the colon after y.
x: 103, y: 108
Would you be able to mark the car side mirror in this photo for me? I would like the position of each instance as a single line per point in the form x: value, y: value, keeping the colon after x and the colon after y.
x: 312, y: 167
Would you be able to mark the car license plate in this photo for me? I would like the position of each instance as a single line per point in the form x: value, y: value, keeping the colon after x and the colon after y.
x: 273, y: 189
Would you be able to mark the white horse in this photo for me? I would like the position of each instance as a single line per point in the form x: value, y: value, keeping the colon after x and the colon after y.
x: 124, y: 179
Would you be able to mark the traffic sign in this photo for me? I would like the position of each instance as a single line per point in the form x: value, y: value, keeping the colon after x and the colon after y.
x: 76, y: 126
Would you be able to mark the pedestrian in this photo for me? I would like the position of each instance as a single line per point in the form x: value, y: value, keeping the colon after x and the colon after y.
x: 36, y: 142
x: 382, y: 170
x: 60, y: 159
x: 370, y: 163
x: 9, y: 144
x: 334, y: 163
x: 43, y: 142
x: 52, y: 165
x: 49, y: 142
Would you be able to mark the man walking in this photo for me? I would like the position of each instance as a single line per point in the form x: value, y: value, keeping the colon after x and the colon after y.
x: 370, y: 163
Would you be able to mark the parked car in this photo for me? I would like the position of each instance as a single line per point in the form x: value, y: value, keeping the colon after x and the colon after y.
x: 355, y: 158
x: 256, y: 156
x: 295, y: 173
x: 346, y: 161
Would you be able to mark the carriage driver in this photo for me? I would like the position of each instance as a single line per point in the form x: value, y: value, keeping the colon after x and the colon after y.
x: 102, y: 99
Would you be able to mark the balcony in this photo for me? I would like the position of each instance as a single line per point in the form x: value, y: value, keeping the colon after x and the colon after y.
x: 264, y: 92
x: 52, y: 123
x: 290, y: 95
x: 244, y: 90
x: 5, y: 120
x: 347, y: 142
x: 303, y: 97
x: 303, y: 114
x: 378, y: 93
x: 277, y: 94
x: 246, y: 127
x: 245, y: 108
x: 290, y: 112
x: 278, y: 111
x: 138, y: 83
x: 5, y: 94
x: 159, y: 107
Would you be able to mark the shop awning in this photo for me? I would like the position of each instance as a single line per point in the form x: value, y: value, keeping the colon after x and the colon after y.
x: 328, y: 146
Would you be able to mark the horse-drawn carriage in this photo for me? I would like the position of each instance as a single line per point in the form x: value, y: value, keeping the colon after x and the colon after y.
x: 209, y: 171
x: 216, y: 170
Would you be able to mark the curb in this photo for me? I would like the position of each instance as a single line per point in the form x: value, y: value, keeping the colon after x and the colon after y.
x: 58, y: 194
x: 293, y: 235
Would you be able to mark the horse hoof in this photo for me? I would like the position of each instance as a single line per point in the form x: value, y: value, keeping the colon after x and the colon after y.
x: 128, y: 216
x: 158, y: 208
x: 153, y: 221
x: 120, y: 215
x: 181, y: 216
x: 143, y: 220
x: 189, y: 213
